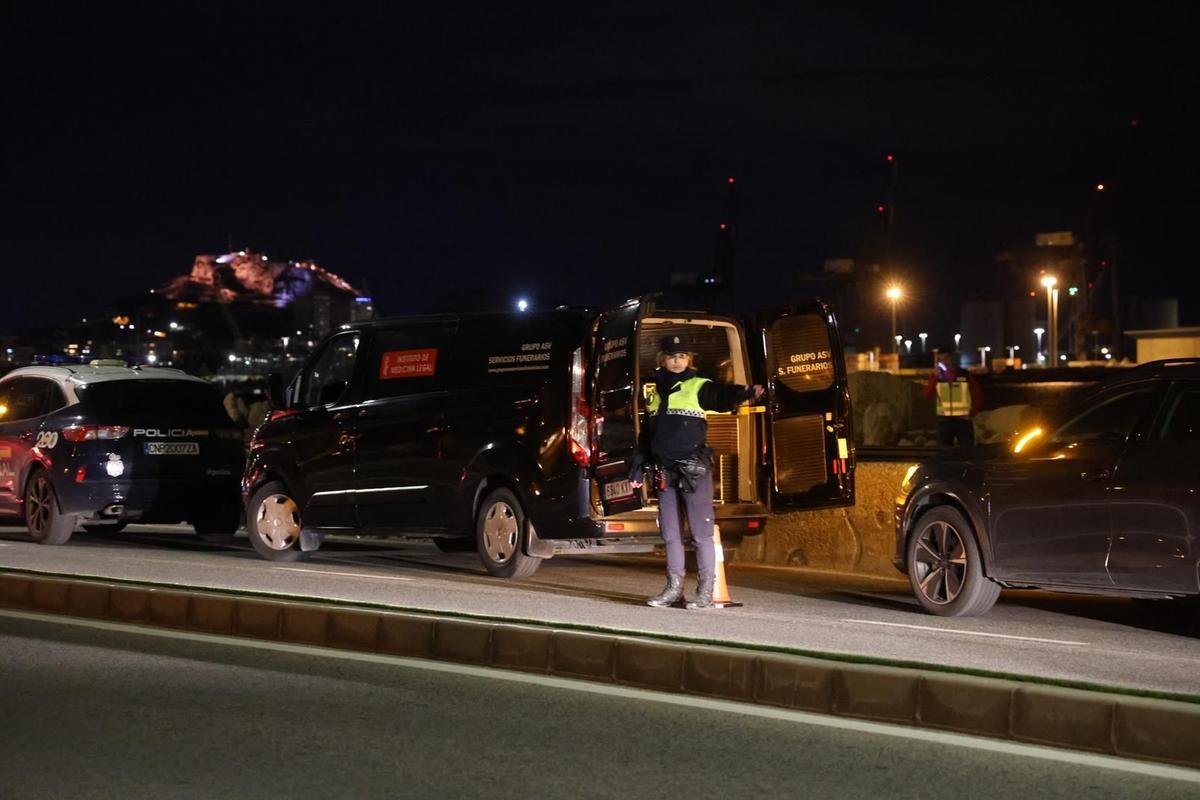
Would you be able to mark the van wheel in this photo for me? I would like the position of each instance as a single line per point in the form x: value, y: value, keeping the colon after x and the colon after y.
x: 945, y: 567
x: 47, y: 524
x: 273, y: 523
x: 499, y: 529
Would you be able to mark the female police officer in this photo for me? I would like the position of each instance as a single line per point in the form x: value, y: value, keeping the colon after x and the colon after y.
x: 677, y: 430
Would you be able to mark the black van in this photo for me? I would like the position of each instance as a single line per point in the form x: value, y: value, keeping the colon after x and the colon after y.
x: 512, y: 433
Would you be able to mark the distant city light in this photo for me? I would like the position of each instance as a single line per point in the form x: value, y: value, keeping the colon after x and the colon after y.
x: 174, y: 325
x: 151, y: 358
x: 232, y: 358
x: 1099, y: 187
x: 732, y: 180
x: 1049, y: 280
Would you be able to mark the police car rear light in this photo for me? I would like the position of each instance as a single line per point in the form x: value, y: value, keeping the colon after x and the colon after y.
x: 83, y: 433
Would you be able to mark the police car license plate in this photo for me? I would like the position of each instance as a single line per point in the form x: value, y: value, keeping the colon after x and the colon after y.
x: 172, y: 448
x: 617, y: 490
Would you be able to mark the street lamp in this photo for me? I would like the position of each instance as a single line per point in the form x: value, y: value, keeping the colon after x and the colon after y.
x: 983, y: 351
x: 1049, y: 282
x: 923, y: 337
x: 1038, y: 333
x: 1012, y: 348
x: 908, y: 347
x: 894, y: 294
x: 957, y: 336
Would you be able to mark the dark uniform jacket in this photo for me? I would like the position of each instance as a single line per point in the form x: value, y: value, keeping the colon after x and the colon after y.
x: 675, y: 437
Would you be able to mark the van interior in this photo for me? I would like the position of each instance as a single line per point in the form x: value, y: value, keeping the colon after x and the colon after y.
x: 720, y: 355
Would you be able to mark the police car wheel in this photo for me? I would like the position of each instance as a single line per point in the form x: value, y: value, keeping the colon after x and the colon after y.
x: 273, y: 523
x: 499, y: 534
x: 47, y: 524
x: 945, y: 568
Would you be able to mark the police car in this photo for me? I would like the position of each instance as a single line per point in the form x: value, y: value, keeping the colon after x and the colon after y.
x: 104, y: 444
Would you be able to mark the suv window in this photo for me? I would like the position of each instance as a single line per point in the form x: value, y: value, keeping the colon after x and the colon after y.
x: 1181, y: 421
x: 139, y: 401
x: 55, y: 399
x: 410, y: 360
x: 1109, y: 422
x: 328, y: 377
x: 22, y: 398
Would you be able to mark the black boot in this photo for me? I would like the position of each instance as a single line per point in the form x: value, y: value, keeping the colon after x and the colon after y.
x: 671, y: 593
x: 704, y: 591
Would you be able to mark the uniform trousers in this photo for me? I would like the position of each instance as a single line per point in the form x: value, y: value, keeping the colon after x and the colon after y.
x: 698, y: 505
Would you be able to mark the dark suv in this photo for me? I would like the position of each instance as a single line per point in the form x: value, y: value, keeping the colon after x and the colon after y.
x: 104, y: 445
x: 513, y: 434
x: 1103, y: 503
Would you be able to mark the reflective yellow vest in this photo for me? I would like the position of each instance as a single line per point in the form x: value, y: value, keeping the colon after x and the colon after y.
x: 954, y: 398
x: 685, y: 401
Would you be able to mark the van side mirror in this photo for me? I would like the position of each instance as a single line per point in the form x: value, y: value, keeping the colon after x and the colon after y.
x: 275, y: 389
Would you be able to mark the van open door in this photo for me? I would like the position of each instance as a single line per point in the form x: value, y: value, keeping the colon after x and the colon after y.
x: 809, y: 441
x: 614, y: 382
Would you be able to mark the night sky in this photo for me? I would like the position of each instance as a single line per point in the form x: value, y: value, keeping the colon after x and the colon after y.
x: 581, y: 155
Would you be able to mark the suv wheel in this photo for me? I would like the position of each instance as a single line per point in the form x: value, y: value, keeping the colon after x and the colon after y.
x: 499, y: 530
x: 945, y: 568
x: 47, y: 524
x: 273, y: 523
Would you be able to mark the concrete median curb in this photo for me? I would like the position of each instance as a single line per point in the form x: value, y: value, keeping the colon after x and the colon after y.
x: 1127, y: 725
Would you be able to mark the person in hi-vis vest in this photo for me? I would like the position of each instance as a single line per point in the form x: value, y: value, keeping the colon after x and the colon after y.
x: 958, y: 398
x: 676, y: 430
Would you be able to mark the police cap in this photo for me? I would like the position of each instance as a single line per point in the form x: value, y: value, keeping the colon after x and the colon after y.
x: 673, y: 343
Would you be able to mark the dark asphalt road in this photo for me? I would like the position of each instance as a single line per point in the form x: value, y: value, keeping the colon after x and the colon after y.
x: 93, y: 711
x: 1110, y: 642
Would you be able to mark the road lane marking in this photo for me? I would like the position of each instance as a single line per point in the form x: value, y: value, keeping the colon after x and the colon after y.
x: 966, y: 633
x: 1033, y: 751
x: 345, y: 574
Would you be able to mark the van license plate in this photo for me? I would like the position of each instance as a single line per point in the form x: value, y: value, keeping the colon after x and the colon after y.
x: 172, y: 448
x: 617, y: 490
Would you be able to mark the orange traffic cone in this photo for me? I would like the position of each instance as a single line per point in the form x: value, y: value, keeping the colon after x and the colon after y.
x: 720, y: 587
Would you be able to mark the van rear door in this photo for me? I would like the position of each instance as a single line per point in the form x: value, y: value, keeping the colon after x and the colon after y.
x: 808, y: 436
x: 614, y: 437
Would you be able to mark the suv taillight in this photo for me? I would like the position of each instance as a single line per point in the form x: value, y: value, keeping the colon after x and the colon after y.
x: 577, y: 433
x: 84, y: 433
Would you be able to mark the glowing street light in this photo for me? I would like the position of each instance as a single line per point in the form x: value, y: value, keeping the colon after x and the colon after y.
x: 908, y: 346
x: 1049, y: 281
x: 1038, y: 333
x: 894, y: 293
x: 983, y: 351
x: 922, y: 337
x: 1012, y: 348
x: 522, y: 304
x: 957, y: 337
